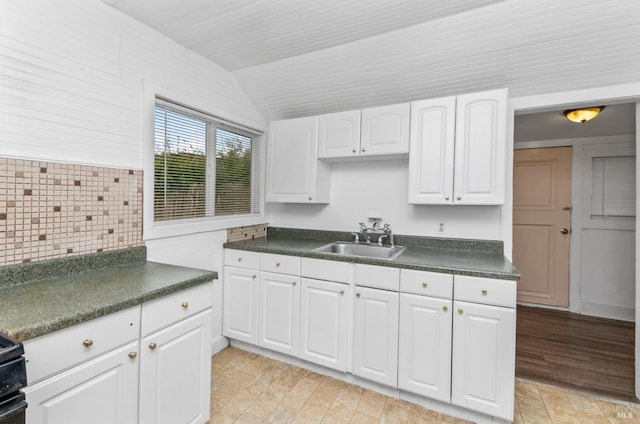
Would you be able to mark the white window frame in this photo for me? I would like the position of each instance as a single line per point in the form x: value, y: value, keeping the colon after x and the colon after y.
x: 156, y: 230
x: 591, y: 151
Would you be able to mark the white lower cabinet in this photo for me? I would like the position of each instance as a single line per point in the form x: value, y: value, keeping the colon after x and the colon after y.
x: 101, y: 391
x: 324, y: 307
x: 441, y: 336
x: 98, y: 372
x: 375, y: 336
x: 483, y: 358
x: 279, y: 312
x: 424, y: 363
x: 240, y: 311
x: 175, y: 372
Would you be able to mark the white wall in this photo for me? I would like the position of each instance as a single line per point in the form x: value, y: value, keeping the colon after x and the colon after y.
x: 380, y: 188
x: 71, y: 90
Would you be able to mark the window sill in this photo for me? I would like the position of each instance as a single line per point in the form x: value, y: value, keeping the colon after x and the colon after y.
x: 194, y: 226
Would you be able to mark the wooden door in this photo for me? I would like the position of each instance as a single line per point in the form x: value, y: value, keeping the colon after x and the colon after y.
x: 175, y: 373
x: 279, y: 312
x: 375, y: 344
x: 102, y: 391
x: 323, y: 323
x: 424, y: 358
x: 542, y: 224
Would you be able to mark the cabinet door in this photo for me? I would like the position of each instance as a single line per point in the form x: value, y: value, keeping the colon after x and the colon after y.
x: 424, y: 363
x: 240, y: 312
x: 385, y: 130
x: 323, y: 323
x: 483, y: 365
x: 101, y: 391
x: 294, y: 174
x: 431, y: 144
x: 375, y: 343
x: 480, y: 151
x: 175, y: 373
x: 279, y: 312
x: 339, y: 134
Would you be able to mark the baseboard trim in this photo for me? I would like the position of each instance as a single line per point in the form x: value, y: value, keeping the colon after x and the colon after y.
x: 218, y: 344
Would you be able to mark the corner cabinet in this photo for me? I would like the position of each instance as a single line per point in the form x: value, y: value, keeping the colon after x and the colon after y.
x: 294, y: 174
x: 145, y: 364
x: 458, y: 149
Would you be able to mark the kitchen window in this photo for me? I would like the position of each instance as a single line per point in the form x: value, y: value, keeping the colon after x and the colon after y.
x: 203, y: 167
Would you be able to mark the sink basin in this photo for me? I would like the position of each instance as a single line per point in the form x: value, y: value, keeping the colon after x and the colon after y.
x: 346, y: 248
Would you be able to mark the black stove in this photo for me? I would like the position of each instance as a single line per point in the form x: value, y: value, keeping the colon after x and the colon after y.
x: 13, y: 377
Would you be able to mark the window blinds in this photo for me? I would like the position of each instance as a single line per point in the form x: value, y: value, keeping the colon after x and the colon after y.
x: 201, y: 167
x: 613, y: 186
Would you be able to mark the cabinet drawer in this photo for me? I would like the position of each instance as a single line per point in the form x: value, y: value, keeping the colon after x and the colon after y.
x: 321, y: 269
x: 241, y: 258
x: 60, y: 350
x: 426, y: 283
x: 165, y: 311
x: 485, y: 290
x: 281, y: 264
x: 379, y: 277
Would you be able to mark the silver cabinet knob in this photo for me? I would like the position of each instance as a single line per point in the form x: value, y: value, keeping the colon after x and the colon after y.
x: 87, y: 343
x: 153, y: 346
x: 459, y: 197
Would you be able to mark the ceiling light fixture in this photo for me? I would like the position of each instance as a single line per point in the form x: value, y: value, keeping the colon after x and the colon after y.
x: 583, y: 115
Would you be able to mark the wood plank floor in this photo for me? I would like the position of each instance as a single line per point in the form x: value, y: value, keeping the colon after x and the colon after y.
x: 591, y: 354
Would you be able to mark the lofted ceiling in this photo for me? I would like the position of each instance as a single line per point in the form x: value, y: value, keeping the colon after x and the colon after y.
x: 304, y: 57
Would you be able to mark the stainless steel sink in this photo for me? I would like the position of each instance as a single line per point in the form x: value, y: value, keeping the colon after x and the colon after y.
x: 346, y: 248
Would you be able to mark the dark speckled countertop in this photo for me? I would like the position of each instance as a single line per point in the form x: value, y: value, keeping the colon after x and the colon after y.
x: 74, y: 290
x: 480, y: 258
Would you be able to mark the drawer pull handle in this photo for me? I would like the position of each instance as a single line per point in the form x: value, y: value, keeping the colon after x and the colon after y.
x: 253, y: 276
x: 185, y: 305
x: 424, y: 284
x: 341, y: 292
x: 295, y: 282
x: 239, y: 259
x: 484, y: 292
x: 153, y: 346
x: 446, y: 198
x: 459, y: 197
x: 445, y: 308
x: 87, y: 343
x: 133, y: 355
x: 277, y: 263
x: 459, y: 310
x: 357, y: 294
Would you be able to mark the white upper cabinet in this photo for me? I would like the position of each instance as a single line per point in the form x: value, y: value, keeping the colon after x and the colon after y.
x: 458, y: 149
x: 481, y: 132
x: 339, y: 134
x: 431, y: 158
x: 385, y: 130
x: 294, y: 174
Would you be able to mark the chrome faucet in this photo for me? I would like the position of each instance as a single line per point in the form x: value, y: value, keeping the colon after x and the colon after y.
x: 385, y: 233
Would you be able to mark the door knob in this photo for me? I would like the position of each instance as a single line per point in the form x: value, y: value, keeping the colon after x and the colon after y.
x: 564, y: 231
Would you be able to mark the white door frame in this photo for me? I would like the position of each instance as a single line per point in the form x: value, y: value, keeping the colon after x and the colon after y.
x: 626, y: 93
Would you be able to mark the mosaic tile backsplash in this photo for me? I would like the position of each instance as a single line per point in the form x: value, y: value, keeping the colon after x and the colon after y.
x: 247, y: 233
x: 52, y: 210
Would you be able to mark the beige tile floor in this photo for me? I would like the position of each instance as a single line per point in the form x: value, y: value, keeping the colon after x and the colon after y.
x: 247, y: 388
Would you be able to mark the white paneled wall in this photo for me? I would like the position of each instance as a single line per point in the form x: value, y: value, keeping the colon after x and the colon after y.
x: 71, y: 90
x: 71, y: 75
x: 203, y: 251
x: 380, y: 188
